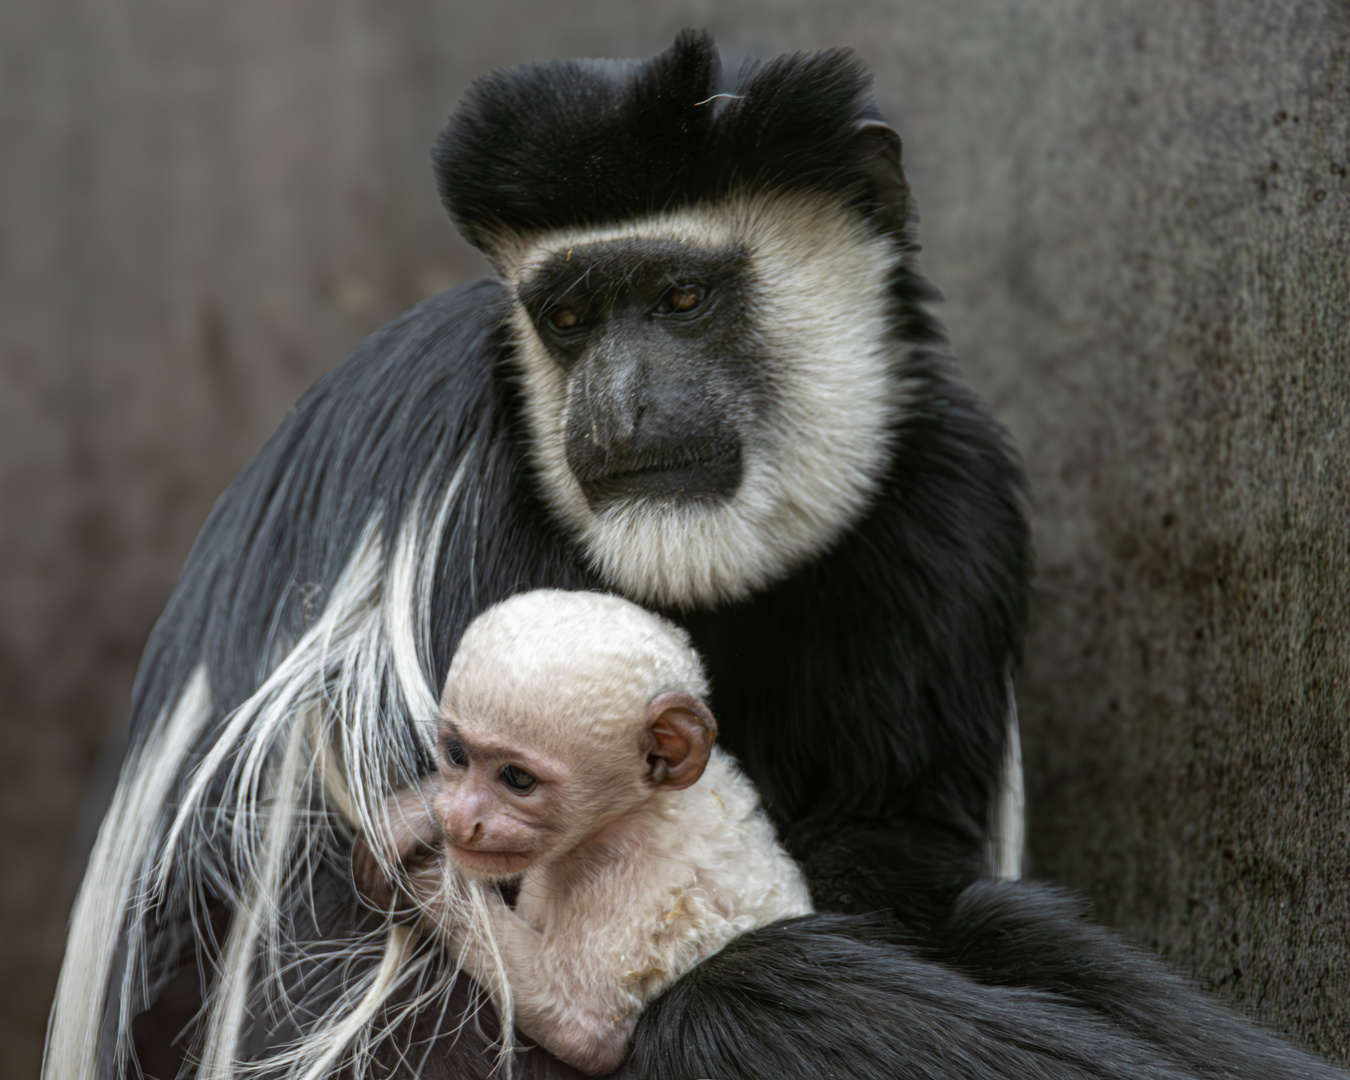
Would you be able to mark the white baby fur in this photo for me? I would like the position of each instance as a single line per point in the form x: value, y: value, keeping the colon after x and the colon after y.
x: 819, y: 275
x: 597, y: 656
x: 680, y: 877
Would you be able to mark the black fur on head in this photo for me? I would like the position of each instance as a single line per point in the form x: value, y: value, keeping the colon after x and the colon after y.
x: 589, y: 142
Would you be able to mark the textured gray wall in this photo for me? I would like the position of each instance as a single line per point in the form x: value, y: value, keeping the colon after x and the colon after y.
x: 1140, y: 213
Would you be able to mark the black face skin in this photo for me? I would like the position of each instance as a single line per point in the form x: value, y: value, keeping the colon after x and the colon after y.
x: 663, y: 379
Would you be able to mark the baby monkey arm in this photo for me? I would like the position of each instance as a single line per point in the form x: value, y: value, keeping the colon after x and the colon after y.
x: 565, y: 997
x: 411, y: 837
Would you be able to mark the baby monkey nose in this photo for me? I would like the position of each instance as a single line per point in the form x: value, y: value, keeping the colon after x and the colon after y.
x: 462, y: 815
x: 465, y: 832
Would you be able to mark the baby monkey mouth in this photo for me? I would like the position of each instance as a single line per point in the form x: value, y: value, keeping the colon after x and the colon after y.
x: 490, y: 865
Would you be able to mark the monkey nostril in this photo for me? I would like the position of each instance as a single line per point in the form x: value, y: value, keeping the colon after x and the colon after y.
x: 466, y: 834
x: 615, y: 439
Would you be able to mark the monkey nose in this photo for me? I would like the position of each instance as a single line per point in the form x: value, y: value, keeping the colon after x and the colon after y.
x: 467, y: 833
x: 614, y: 437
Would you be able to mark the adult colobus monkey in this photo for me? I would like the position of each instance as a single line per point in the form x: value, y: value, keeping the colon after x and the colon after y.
x: 703, y: 377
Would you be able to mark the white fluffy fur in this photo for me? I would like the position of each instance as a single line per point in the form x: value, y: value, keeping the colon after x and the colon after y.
x: 601, y: 658
x: 114, y: 884
x: 599, y: 932
x: 679, y: 880
x: 819, y: 279
x: 1006, y: 842
x: 316, y: 724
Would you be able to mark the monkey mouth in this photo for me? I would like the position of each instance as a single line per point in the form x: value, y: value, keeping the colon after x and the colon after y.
x: 713, y: 474
x: 489, y: 865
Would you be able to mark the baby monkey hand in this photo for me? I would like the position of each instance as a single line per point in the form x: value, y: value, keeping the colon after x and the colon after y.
x: 412, y: 839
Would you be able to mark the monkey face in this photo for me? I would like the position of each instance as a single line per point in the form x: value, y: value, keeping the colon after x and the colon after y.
x: 662, y: 376
x: 710, y: 392
x: 498, y: 804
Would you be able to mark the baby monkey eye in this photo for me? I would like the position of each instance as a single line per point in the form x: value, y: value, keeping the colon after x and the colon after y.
x: 455, y: 753
x: 564, y: 319
x: 517, y: 779
x: 681, y: 298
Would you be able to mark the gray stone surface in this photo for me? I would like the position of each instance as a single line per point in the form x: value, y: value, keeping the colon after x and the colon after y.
x: 1140, y: 213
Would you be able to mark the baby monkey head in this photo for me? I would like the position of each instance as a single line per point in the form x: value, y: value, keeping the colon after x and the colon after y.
x: 562, y: 714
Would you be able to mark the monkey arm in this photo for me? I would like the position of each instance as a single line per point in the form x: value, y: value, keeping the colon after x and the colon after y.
x: 560, y: 999
x: 413, y: 831
x: 410, y: 836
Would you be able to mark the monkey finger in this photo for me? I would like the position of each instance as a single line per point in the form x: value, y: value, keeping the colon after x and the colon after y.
x: 370, y: 879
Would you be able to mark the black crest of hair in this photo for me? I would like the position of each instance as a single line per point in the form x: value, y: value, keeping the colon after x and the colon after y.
x: 592, y: 142
x: 865, y: 693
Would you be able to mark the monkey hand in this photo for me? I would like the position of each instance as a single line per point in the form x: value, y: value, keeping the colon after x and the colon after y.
x: 408, y: 894
x: 371, y: 881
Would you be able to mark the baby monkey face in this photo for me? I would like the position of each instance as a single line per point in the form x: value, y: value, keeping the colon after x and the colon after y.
x: 503, y: 804
x: 499, y: 803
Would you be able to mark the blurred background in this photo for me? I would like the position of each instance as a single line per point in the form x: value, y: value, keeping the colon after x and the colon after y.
x: 1139, y: 213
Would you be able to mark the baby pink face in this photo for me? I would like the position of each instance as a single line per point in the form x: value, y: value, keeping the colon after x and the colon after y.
x: 503, y: 806
x: 499, y: 803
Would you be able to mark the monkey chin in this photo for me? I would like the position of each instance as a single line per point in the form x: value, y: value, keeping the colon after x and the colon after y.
x: 490, y: 866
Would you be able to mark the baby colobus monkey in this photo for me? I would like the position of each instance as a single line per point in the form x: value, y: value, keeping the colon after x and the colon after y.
x: 576, y: 756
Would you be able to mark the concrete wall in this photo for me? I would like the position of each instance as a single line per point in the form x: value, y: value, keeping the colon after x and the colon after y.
x: 1140, y: 213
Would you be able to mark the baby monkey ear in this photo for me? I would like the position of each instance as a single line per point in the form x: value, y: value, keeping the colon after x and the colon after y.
x: 679, y: 737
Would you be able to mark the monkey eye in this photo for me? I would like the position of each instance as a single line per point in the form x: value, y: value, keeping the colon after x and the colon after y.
x: 455, y: 753
x: 517, y: 779
x: 563, y: 319
x: 680, y: 299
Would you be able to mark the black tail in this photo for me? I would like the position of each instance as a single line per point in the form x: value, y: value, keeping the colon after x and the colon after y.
x: 1017, y: 933
x: 830, y: 996
x: 1022, y: 987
